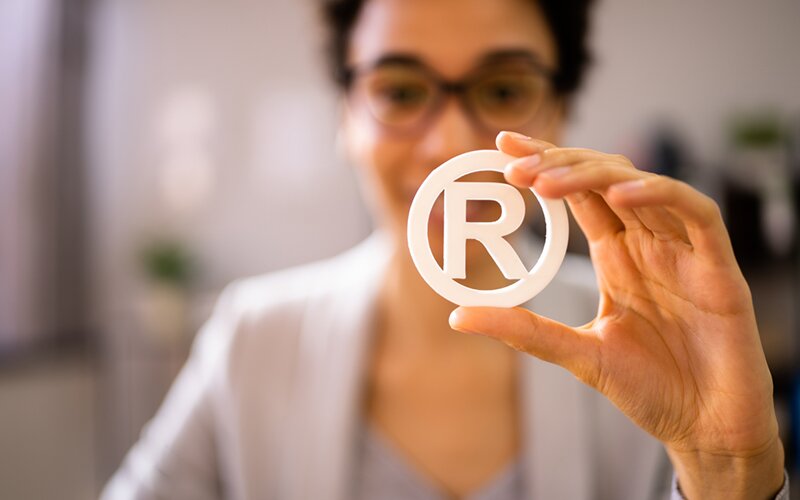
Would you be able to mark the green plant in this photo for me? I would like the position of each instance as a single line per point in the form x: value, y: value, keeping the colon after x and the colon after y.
x: 167, y: 262
x: 757, y: 130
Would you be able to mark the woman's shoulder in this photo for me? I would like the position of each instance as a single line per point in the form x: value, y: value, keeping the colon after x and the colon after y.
x: 266, y: 315
x: 280, y: 292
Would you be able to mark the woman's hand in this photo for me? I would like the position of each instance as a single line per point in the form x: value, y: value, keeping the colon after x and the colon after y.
x: 675, y: 343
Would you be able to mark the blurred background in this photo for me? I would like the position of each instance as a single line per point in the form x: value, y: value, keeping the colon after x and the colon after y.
x: 151, y: 151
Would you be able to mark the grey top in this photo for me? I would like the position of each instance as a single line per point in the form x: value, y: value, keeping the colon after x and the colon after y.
x: 383, y: 473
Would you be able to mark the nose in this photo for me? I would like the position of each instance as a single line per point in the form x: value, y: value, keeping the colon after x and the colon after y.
x: 451, y: 133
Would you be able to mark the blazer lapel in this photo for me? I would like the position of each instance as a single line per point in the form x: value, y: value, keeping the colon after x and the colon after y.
x: 557, y: 433
x: 334, y: 341
x: 556, y: 443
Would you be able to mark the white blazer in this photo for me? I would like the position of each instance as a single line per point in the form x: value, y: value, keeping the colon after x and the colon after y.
x: 267, y: 405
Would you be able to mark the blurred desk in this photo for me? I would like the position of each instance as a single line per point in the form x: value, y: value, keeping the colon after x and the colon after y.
x: 47, y: 428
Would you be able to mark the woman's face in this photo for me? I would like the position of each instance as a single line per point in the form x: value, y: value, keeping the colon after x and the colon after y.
x: 455, y: 40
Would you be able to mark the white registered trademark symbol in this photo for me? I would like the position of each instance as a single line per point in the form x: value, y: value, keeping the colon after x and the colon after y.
x: 457, y: 230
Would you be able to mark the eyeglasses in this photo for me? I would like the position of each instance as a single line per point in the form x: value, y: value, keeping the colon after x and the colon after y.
x: 404, y: 96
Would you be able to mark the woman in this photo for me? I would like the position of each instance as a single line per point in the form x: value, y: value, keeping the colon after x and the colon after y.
x: 344, y: 379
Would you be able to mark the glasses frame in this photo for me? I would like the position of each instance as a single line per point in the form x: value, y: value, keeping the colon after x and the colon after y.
x: 446, y: 88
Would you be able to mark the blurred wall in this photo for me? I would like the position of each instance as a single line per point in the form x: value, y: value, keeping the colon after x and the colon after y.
x: 689, y: 63
x: 29, y: 81
x: 213, y: 123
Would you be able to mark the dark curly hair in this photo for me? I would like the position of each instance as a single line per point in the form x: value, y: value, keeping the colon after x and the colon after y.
x: 568, y: 21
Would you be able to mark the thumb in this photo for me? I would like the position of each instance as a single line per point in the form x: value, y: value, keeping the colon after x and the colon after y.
x: 574, y: 349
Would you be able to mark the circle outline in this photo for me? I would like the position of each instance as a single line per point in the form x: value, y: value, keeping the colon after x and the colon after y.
x: 545, y: 269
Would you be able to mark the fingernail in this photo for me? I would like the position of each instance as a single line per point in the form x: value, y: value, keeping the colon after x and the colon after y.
x: 453, y: 317
x: 527, y: 163
x: 555, y: 173
x: 516, y: 135
x: 628, y: 186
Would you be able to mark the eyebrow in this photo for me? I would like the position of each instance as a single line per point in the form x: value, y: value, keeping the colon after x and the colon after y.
x: 492, y: 57
x: 397, y: 58
x: 502, y: 55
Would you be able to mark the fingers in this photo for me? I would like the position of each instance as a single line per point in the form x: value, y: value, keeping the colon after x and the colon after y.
x: 523, y: 171
x: 699, y: 214
x: 638, y: 200
x: 661, y: 223
x: 520, y: 145
x: 594, y: 176
x: 576, y: 182
x: 574, y: 349
x: 593, y: 215
x: 599, y: 177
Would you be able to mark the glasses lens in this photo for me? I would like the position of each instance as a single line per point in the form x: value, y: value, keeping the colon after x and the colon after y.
x: 509, y: 99
x: 398, y: 96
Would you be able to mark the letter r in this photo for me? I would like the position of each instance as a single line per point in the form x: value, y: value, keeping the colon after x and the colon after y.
x: 491, y: 234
